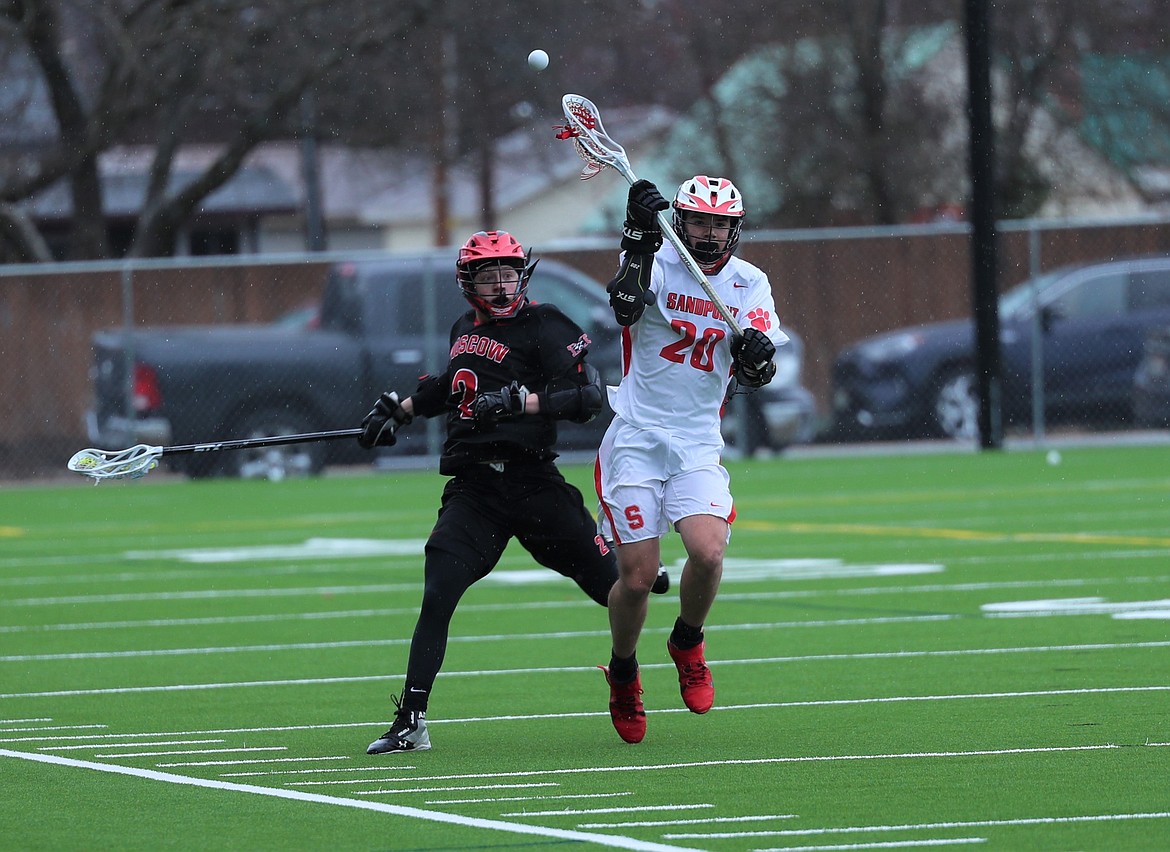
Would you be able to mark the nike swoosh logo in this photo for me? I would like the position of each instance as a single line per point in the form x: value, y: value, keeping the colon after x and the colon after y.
x: 739, y: 286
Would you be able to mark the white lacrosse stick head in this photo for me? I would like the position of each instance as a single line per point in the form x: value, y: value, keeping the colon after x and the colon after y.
x: 123, y: 464
x: 593, y: 144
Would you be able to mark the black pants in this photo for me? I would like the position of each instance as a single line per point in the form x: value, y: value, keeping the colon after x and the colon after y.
x: 482, y: 509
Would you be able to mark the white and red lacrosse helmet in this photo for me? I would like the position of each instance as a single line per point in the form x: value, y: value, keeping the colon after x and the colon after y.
x: 698, y: 200
x: 487, y: 249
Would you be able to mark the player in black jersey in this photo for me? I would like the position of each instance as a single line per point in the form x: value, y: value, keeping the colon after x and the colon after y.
x: 516, y: 367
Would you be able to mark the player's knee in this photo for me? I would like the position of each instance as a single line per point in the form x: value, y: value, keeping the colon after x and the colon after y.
x: 638, y: 580
x: 707, y: 559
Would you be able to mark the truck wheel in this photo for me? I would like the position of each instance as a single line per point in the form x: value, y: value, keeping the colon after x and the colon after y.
x: 275, y: 463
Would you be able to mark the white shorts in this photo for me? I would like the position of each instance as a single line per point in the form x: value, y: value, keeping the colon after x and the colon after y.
x: 648, y: 480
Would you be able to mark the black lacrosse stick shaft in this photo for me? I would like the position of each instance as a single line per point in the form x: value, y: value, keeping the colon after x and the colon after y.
x: 255, y: 443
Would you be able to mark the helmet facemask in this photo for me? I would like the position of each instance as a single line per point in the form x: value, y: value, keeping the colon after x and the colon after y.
x: 493, y: 272
x: 496, y: 288
x: 711, y: 240
x: 708, y: 214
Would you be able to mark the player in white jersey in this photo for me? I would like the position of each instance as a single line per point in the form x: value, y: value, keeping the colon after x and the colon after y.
x: 658, y: 466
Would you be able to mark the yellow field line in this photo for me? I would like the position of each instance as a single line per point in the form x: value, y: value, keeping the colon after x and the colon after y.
x: 938, y: 495
x: 960, y: 534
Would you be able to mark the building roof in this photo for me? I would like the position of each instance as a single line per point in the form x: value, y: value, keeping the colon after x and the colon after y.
x: 251, y: 191
x: 528, y: 162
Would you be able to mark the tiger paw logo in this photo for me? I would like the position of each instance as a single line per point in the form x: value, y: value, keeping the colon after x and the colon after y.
x: 759, y: 319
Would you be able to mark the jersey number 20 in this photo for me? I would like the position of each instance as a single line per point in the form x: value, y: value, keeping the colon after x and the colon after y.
x: 702, y: 345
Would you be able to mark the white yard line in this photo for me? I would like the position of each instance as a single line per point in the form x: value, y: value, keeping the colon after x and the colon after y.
x: 299, y: 568
x: 490, y: 637
x: 385, y: 767
x: 970, y: 652
x: 249, y: 762
x: 254, y: 730
x: 633, y: 810
x: 759, y: 761
x: 348, y: 615
x: 216, y: 594
x: 589, y: 713
x: 891, y: 844
x: 661, y: 823
x: 727, y: 708
x: 119, y: 755
x: 125, y: 745
x: 608, y: 840
x: 726, y: 596
x: 929, y: 826
x: 451, y: 789
x: 53, y: 728
x: 490, y: 799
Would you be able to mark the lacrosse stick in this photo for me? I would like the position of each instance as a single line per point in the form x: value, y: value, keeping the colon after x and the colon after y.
x: 599, y: 151
x: 140, y: 460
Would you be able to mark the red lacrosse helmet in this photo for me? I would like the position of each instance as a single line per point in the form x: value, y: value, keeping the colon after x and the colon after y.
x: 487, y: 249
x: 698, y: 200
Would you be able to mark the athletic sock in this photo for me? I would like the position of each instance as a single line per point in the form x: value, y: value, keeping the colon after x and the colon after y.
x: 684, y: 637
x: 623, y: 669
x: 415, y: 699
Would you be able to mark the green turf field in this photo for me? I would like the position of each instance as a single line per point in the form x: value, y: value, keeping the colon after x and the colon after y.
x: 908, y: 651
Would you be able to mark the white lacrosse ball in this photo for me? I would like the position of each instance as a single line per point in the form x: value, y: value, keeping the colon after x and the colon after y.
x: 538, y: 60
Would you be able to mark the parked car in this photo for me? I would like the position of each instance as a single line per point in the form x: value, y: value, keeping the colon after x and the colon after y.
x: 1088, y: 324
x: 380, y: 324
x: 1151, y: 382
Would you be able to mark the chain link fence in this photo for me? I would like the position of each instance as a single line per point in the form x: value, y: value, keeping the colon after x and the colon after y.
x: 883, y: 315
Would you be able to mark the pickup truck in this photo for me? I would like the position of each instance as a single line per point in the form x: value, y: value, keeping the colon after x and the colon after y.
x: 380, y: 324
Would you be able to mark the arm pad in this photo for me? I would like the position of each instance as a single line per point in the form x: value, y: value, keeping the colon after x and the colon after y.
x: 430, y: 397
x: 576, y: 397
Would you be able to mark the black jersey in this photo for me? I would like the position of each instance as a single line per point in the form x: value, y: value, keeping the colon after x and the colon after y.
x: 537, y: 345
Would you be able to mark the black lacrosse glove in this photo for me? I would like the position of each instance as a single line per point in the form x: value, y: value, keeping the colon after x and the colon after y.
x: 752, y: 352
x: 641, y: 233
x: 629, y: 292
x: 504, y: 404
x: 382, y: 423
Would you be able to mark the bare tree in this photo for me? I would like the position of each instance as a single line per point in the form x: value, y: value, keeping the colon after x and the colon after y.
x: 171, y: 72
x: 1031, y: 41
x: 836, y: 112
x: 836, y: 122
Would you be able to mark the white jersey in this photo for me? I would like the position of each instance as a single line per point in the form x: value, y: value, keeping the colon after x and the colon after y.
x: 676, y: 359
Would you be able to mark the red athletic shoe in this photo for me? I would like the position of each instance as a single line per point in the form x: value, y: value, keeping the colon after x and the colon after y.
x: 625, y: 708
x: 694, y: 678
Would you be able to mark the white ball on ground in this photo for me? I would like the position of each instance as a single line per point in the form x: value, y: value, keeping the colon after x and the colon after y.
x: 1053, y: 457
x: 538, y: 60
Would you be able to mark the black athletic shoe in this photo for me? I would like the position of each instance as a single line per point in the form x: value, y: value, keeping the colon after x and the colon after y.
x: 408, y: 733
